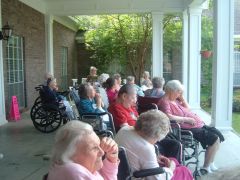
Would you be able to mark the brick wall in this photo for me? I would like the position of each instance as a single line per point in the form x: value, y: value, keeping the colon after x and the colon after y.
x: 29, y: 24
x: 64, y: 37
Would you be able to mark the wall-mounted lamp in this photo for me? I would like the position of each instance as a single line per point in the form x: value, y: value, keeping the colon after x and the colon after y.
x: 6, y: 32
x: 80, y: 38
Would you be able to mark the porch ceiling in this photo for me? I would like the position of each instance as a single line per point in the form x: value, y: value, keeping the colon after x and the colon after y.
x: 93, y: 7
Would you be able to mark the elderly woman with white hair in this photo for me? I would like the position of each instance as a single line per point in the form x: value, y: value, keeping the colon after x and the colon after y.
x: 176, y: 107
x: 78, y: 153
x: 146, y: 82
x: 151, y: 126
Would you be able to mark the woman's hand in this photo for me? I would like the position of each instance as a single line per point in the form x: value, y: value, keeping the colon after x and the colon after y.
x: 190, y: 121
x: 110, y: 147
x: 98, y: 100
x: 165, y: 162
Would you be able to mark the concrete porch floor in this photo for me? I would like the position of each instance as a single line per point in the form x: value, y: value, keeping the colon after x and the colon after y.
x: 24, y: 148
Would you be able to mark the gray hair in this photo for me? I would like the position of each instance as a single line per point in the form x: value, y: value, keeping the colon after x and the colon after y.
x: 130, y: 79
x: 66, y: 139
x: 158, y: 82
x: 173, y: 86
x: 103, y: 77
x: 117, y: 76
x: 153, y: 124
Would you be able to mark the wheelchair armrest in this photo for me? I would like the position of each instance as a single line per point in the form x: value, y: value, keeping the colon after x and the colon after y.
x: 94, y: 114
x: 187, y: 136
x: 148, y: 172
x: 63, y: 93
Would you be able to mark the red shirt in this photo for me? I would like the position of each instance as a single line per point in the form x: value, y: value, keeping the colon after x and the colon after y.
x: 123, y: 115
x: 112, y: 95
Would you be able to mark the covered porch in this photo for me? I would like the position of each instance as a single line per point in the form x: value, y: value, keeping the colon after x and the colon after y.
x: 191, y: 69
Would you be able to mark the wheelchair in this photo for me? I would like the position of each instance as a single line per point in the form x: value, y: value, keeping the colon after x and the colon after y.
x: 190, y: 146
x: 47, y: 117
x: 125, y: 172
x: 96, y: 120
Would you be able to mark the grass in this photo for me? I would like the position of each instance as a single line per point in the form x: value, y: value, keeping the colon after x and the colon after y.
x: 206, y: 106
x: 236, y: 122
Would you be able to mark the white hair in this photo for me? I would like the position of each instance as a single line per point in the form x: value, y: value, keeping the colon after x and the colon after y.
x: 146, y: 73
x: 66, y: 139
x: 103, y: 77
x: 173, y: 86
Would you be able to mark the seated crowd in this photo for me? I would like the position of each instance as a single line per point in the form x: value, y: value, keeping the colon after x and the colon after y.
x: 78, y: 152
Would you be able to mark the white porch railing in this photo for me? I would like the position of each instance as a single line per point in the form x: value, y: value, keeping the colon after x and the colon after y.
x: 236, y: 75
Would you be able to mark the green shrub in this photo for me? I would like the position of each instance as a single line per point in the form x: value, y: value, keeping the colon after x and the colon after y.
x: 236, y: 101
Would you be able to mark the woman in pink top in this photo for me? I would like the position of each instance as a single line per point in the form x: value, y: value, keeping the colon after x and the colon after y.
x: 78, y: 153
x: 111, y: 89
x: 174, y: 105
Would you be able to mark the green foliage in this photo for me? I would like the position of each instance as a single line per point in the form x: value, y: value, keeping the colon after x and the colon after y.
x: 121, y: 39
x: 207, y: 33
x: 126, y: 40
x: 236, y: 101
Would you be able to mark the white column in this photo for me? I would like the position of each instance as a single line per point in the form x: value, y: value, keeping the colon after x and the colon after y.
x: 2, y: 95
x: 223, y: 64
x: 49, y: 43
x: 185, y: 54
x: 194, y: 64
x: 157, y: 44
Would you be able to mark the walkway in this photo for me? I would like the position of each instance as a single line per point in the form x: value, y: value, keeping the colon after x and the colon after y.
x: 24, y: 148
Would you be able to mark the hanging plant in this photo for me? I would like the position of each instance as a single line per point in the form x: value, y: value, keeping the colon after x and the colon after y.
x: 206, y: 54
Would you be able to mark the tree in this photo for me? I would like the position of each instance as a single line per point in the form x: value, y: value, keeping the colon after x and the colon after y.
x: 123, y: 39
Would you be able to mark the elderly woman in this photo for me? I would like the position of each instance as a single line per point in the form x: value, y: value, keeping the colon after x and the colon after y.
x: 152, y: 126
x: 125, y: 114
x: 78, y: 154
x: 146, y: 83
x: 90, y: 101
x: 102, y: 79
x: 92, y: 77
x: 50, y: 96
x: 123, y: 110
x: 131, y: 80
x: 157, y: 90
x: 175, y: 106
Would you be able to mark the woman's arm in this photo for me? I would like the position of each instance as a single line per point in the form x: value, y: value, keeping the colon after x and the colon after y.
x: 183, y: 102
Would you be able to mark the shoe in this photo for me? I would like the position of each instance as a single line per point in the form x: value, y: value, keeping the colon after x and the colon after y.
x: 213, y: 167
x: 203, y: 171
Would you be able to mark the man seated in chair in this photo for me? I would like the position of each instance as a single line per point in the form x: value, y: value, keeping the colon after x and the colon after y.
x: 157, y: 90
x: 175, y: 106
x: 152, y: 126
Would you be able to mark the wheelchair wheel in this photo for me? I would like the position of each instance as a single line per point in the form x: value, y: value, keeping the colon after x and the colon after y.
x: 47, y: 120
x: 37, y: 100
x: 34, y: 108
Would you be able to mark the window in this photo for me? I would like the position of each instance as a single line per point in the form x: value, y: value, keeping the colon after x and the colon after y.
x: 64, y: 60
x: 15, y: 69
x: 236, y: 77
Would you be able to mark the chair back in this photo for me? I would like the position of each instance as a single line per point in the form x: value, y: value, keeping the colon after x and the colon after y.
x: 96, y: 120
x: 124, y: 170
x: 146, y: 103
